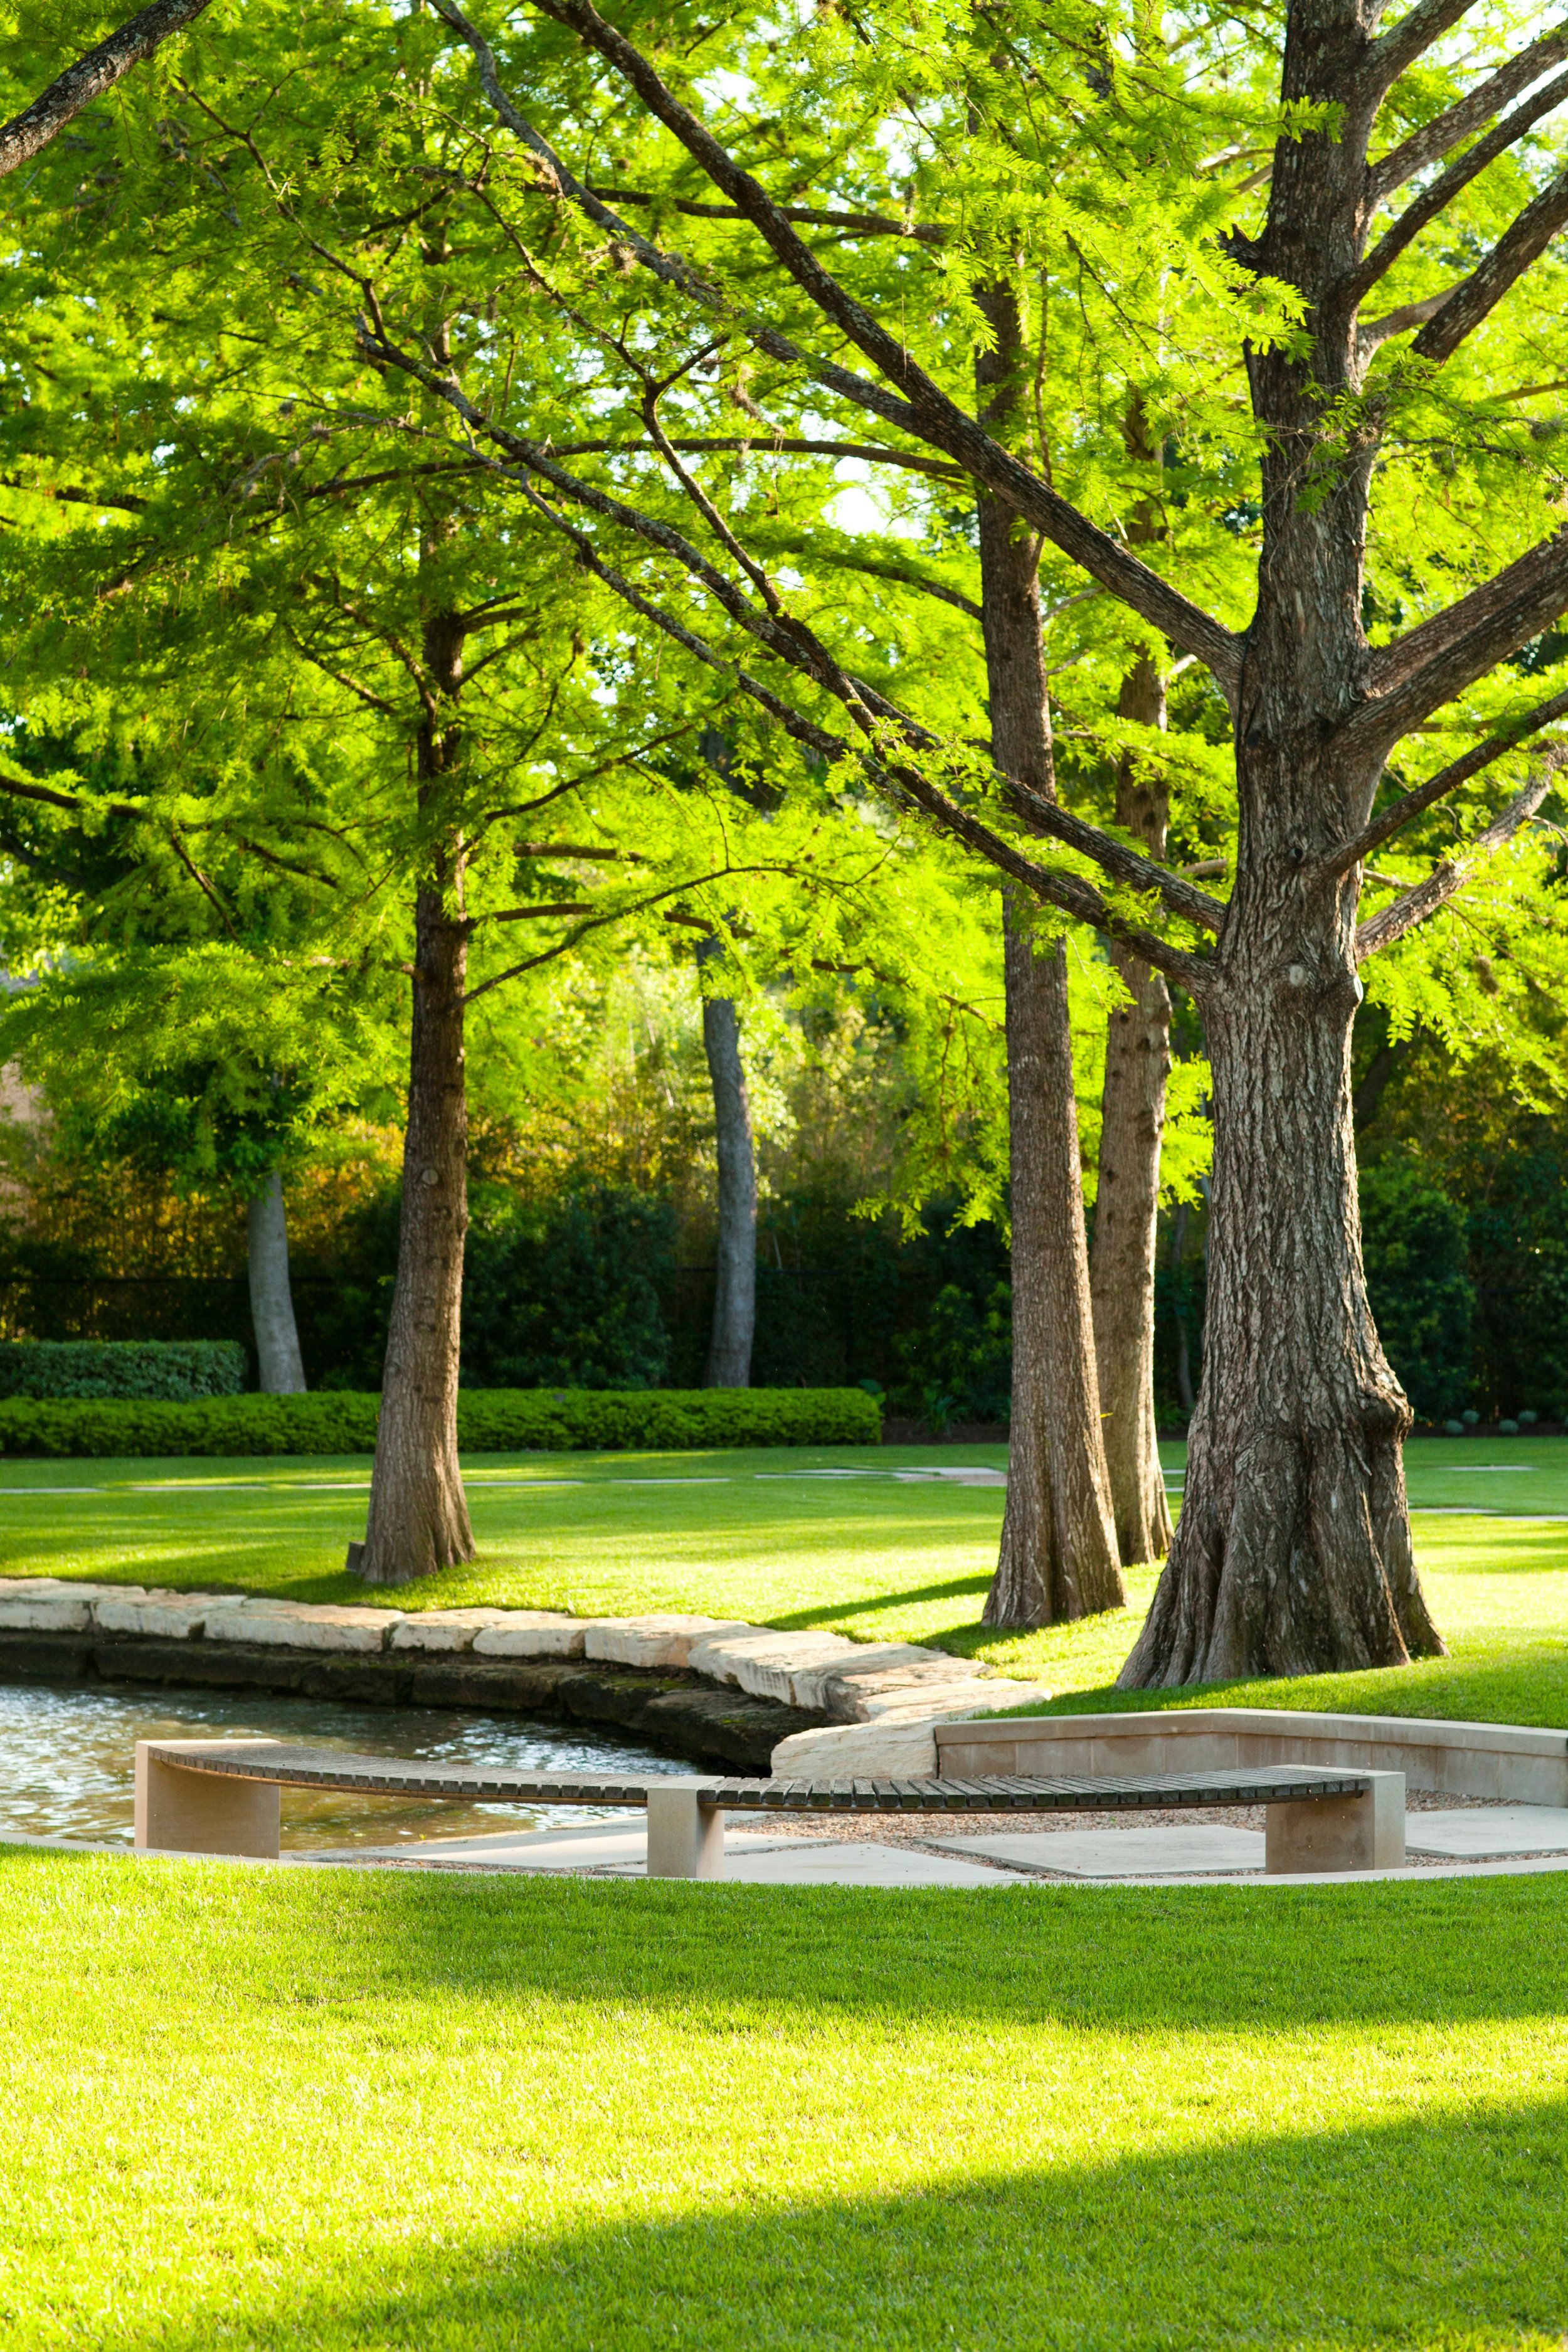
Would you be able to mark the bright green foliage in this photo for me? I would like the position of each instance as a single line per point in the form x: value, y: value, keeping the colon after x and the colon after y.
x: 174, y: 1368
x: 498, y: 1420
x: 295, y: 2111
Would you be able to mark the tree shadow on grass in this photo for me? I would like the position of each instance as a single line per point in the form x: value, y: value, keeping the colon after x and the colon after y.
x: 866, y: 1604
x: 1451, y: 1951
x: 1424, y: 2233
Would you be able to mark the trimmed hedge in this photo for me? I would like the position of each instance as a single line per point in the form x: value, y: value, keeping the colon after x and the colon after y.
x: 173, y: 1369
x: 489, y: 1421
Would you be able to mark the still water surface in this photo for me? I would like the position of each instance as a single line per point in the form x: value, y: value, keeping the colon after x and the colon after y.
x: 66, y: 1757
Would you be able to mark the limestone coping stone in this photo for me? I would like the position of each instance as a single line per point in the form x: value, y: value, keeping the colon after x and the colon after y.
x: 848, y: 1693
x: 533, y: 1633
x: 299, y: 1625
x: 955, y: 1702
x: 810, y: 1684
x: 64, y: 1608
x: 765, y: 1664
x: 858, y: 1752
x: 446, y: 1629
x: 176, y: 1616
x: 655, y: 1640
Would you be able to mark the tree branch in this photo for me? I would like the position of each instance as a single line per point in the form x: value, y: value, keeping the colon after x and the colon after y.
x: 1441, y: 884
x: 26, y: 133
x: 1414, y: 34
x: 1445, y: 131
x: 1460, y: 173
x: 1405, y: 681
x: 790, y: 640
x: 851, y: 223
x: 1478, y: 295
x: 924, y: 410
x: 1400, y: 813
x: 764, y: 443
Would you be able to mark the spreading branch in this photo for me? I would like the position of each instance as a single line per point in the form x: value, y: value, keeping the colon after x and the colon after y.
x: 1478, y: 295
x: 1446, y: 880
x: 1460, y: 173
x: 1400, y: 813
x: 920, y: 407
x: 1404, y: 682
x: 1457, y: 122
x: 1398, y: 48
x: 26, y: 133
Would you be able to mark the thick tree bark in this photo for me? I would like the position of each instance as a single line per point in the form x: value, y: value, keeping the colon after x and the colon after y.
x: 1293, y: 1551
x: 1058, y: 1556
x: 279, y: 1369
x: 736, y: 1296
x: 1126, y: 1214
x: 418, y: 1512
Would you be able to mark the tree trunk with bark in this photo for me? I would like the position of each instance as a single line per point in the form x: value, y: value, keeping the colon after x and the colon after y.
x: 1126, y: 1213
x: 1058, y: 1555
x: 418, y: 1512
x: 736, y: 1293
x: 279, y: 1370
x: 1293, y: 1552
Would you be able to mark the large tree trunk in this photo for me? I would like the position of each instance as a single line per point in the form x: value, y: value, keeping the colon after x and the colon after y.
x: 418, y: 1512
x: 1293, y: 1551
x: 279, y: 1369
x: 1058, y: 1555
x: 1126, y: 1214
x: 736, y: 1296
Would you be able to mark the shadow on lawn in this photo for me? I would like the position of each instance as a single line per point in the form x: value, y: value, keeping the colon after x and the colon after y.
x: 1430, y: 2233
x: 865, y: 1603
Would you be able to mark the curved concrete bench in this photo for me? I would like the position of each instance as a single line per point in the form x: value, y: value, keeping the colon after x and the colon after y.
x: 203, y: 1796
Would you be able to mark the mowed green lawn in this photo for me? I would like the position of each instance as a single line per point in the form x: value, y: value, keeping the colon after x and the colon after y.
x: 830, y: 1536
x: 307, y: 2111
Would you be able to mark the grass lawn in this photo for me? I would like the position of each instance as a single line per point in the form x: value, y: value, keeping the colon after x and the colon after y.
x: 292, y: 2110
x: 785, y: 1538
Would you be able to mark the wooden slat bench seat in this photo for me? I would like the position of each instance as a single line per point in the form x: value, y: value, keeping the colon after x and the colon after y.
x: 200, y: 1796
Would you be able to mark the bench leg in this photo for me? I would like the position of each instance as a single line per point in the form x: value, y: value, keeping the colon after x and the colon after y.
x: 1341, y: 1833
x: 685, y: 1840
x: 202, y: 1813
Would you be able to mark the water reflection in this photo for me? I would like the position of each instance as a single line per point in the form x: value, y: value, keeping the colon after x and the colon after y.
x: 68, y: 1758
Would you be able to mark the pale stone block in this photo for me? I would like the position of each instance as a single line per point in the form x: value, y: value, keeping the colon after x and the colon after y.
x: 296, y: 1625
x: 169, y: 1616
x: 1365, y: 1833
x: 1483, y: 1830
x: 957, y: 1702
x: 202, y: 1812
x: 857, y: 1751
x: 446, y: 1629
x: 847, y: 1691
x: 533, y: 1633
x: 65, y: 1608
x: 685, y: 1840
x: 655, y: 1640
x: 1195, y: 1847
x: 765, y: 1663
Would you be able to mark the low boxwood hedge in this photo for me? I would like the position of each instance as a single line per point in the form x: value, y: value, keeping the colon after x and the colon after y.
x: 489, y: 1421
x: 175, y: 1369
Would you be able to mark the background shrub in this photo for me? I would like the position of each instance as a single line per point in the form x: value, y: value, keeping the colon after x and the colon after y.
x: 489, y: 1421
x: 168, y: 1369
x: 567, y: 1292
x: 1415, y: 1247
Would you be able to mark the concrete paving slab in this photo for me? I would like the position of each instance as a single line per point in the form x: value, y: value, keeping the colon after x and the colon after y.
x: 1489, y: 1830
x: 1120, y: 1853
x: 812, y: 1862
x: 620, y: 1845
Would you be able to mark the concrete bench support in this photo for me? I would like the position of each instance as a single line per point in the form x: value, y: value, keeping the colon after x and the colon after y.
x: 685, y: 1839
x: 202, y: 1813
x: 1365, y: 1832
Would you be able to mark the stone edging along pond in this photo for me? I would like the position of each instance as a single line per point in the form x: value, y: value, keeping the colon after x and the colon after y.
x: 708, y: 1687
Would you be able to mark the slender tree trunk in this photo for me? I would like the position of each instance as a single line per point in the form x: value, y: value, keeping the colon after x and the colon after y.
x: 418, y: 1512
x: 1126, y: 1214
x: 736, y: 1296
x: 279, y: 1367
x: 1058, y: 1555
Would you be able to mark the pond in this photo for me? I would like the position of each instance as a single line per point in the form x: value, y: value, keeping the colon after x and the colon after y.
x: 68, y: 1758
